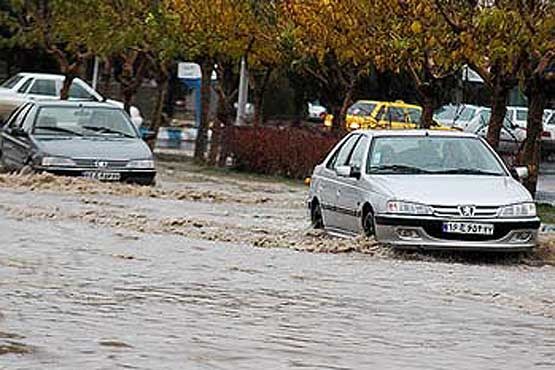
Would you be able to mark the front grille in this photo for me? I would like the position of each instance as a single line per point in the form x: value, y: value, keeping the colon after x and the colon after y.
x: 94, y: 163
x: 434, y: 228
x: 453, y: 212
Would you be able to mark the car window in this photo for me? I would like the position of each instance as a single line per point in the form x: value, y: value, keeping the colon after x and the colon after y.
x: 17, y: 121
x: 414, y: 115
x: 359, y: 153
x: 25, y: 86
x: 44, y: 87
x: 29, y: 119
x: 361, y: 109
x: 380, y: 114
x: 551, y: 120
x: 521, y: 115
x: 11, y: 82
x: 395, y: 114
x: 77, y: 91
x: 341, y: 155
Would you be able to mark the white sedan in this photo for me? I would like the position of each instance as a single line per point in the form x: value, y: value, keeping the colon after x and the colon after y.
x: 40, y: 86
x: 423, y: 189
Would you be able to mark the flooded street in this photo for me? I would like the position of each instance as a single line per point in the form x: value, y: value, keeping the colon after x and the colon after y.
x: 211, y: 272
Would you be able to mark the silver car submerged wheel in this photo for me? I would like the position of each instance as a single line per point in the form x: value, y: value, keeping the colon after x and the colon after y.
x: 368, y: 223
x: 316, y: 215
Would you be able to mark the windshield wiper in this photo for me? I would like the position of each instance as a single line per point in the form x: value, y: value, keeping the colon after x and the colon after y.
x: 467, y: 171
x: 398, y: 168
x: 107, y: 130
x: 58, y: 129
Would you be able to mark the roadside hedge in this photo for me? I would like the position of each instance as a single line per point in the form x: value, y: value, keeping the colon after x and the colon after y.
x: 282, y: 151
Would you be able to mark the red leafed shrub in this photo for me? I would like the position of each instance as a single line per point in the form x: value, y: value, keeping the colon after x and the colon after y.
x: 286, y: 151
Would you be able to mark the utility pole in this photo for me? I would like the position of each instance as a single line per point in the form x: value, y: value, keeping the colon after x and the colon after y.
x: 243, y: 93
x: 95, y: 72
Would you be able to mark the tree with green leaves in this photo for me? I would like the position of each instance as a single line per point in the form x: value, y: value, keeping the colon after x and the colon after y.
x: 334, y: 42
x: 65, y: 29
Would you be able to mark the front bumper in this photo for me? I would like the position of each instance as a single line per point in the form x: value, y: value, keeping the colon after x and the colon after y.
x: 129, y: 175
x: 426, y: 233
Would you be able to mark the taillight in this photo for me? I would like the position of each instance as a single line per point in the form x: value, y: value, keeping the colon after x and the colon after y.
x: 546, y: 134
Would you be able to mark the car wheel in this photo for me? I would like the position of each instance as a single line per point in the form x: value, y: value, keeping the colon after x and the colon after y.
x: 316, y: 216
x: 368, y: 223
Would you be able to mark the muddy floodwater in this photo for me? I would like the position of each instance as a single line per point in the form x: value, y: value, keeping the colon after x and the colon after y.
x: 210, y: 271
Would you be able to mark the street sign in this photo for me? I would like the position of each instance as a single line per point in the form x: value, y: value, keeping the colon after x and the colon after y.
x: 189, y: 71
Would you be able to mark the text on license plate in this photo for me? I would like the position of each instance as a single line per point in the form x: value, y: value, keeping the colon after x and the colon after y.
x: 467, y: 228
x: 102, y: 176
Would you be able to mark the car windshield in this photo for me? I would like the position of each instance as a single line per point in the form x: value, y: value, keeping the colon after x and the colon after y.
x: 432, y: 155
x: 83, y: 121
x: 11, y: 82
x: 361, y: 109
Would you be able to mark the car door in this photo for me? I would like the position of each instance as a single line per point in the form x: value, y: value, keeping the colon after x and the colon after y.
x: 16, y: 147
x: 350, y: 194
x: 331, y: 183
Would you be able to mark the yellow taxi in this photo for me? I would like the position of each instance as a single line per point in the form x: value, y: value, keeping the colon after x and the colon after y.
x: 370, y: 114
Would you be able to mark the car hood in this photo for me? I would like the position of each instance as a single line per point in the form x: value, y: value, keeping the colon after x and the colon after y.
x: 101, y: 148
x: 453, y: 189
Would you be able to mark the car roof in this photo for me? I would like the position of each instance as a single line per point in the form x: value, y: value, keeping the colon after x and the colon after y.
x: 42, y: 75
x: 399, y: 103
x: 73, y: 103
x: 433, y: 133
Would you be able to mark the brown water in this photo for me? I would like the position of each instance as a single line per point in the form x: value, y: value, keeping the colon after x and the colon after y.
x: 90, y: 281
x: 76, y: 296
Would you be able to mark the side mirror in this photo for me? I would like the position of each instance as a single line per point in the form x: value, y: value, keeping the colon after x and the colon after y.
x: 520, y: 173
x: 347, y: 171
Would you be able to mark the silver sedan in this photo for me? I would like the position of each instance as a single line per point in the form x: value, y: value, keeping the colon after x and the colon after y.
x: 423, y: 189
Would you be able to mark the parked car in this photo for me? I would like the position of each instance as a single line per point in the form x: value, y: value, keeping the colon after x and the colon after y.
x: 510, y: 138
x: 457, y: 115
x: 41, y: 86
x: 548, y: 134
x: 316, y: 112
x: 423, y: 189
x: 370, y: 114
x: 87, y: 139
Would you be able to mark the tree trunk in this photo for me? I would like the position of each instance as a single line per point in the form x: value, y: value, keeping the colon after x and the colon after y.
x: 259, y: 90
x: 161, y: 92
x: 530, y: 155
x: 64, y: 92
x: 207, y: 66
x: 498, y: 112
x: 427, y: 112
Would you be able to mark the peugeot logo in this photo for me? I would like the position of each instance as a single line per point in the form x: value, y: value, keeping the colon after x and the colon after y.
x: 467, y: 211
x: 101, y: 164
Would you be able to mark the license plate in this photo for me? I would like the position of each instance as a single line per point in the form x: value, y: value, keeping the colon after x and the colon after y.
x: 467, y: 228
x: 102, y: 176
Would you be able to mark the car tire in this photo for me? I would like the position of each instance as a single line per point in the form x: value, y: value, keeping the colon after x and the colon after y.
x: 368, y: 223
x: 316, y: 215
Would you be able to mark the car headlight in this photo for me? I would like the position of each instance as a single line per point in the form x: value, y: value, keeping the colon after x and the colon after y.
x: 57, y: 161
x: 143, y: 163
x: 519, y: 210
x: 408, y: 208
